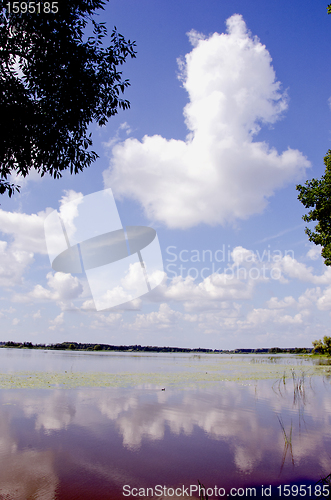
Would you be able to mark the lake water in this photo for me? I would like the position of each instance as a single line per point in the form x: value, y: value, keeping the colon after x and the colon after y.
x: 92, y: 426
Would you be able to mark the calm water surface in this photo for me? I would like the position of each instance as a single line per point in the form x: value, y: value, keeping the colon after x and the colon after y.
x: 84, y: 425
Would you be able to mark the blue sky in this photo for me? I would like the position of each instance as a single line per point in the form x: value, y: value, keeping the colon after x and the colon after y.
x: 230, y: 109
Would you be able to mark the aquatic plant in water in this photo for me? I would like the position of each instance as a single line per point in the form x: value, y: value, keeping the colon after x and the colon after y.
x: 287, y: 445
x: 202, y: 492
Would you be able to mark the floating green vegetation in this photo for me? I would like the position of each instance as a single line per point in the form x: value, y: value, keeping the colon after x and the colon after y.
x: 200, y: 373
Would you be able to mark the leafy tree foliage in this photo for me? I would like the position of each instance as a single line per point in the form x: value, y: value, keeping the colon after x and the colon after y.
x: 317, y: 193
x: 323, y: 346
x: 55, y: 81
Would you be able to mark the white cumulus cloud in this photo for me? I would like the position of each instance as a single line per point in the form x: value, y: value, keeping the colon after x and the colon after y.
x: 62, y: 287
x: 218, y: 174
x: 26, y: 231
x: 13, y: 263
x: 59, y: 320
x: 26, y: 237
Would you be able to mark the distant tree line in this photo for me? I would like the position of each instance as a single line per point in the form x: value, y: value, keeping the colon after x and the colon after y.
x: 75, y: 346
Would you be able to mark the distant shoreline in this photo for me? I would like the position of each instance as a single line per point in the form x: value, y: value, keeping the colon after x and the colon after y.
x: 75, y: 346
